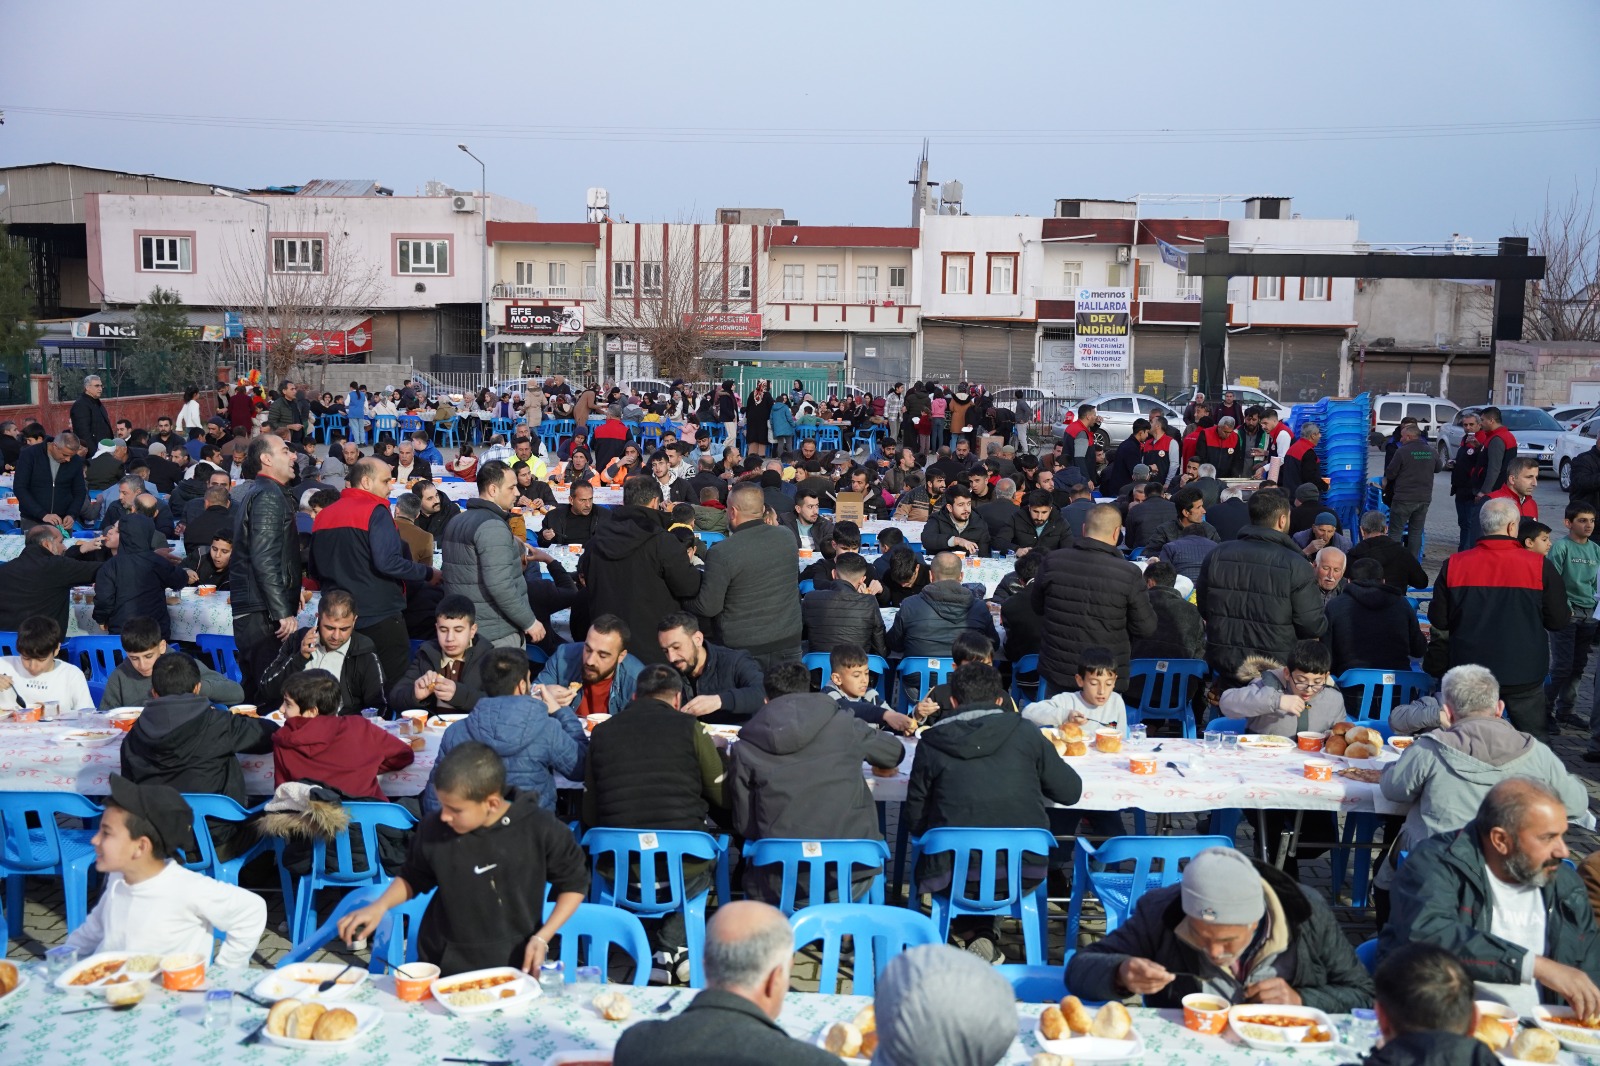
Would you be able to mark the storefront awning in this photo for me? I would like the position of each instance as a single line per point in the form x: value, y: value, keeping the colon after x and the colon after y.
x: 350, y: 335
x: 119, y: 325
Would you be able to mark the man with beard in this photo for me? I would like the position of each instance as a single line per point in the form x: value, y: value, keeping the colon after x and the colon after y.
x: 437, y: 508
x: 573, y: 522
x: 595, y: 677
x: 1497, y: 895
x: 721, y: 685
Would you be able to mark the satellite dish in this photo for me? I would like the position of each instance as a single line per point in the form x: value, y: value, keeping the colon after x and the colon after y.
x: 598, y: 198
x: 950, y: 192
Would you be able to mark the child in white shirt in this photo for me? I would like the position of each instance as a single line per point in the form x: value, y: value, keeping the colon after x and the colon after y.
x: 1096, y: 704
x: 153, y: 906
x: 34, y: 675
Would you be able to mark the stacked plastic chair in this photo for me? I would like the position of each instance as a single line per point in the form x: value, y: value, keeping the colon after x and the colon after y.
x: 1342, y: 451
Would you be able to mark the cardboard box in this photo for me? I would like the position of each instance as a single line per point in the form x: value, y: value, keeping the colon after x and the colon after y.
x: 850, y: 507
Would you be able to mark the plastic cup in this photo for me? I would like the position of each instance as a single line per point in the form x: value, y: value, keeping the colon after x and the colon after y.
x: 1205, y: 1013
x: 206, y: 590
x: 123, y: 720
x: 29, y: 714
x: 418, y: 720
x: 181, y: 973
x: 1213, y: 740
x: 1142, y: 764
x: 1308, y: 741
x: 413, y: 982
x: 1318, y: 770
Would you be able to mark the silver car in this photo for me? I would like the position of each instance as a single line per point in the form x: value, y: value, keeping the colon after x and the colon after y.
x: 1117, y: 411
x: 1535, y: 430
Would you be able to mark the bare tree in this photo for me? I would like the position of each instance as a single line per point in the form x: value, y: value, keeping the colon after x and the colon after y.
x: 312, y: 290
x: 1565, y: 306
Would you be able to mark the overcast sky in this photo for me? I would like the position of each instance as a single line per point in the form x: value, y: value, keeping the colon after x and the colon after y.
x: 817, y: 107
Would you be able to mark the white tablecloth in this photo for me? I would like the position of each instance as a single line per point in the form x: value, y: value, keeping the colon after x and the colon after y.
x: 166, y: 1028
x: 192, y: 615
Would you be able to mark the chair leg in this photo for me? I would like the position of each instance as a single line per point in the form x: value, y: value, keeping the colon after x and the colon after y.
x: 1029, y: 910
x: 14, y: 904
x: 694, y: 927
x: 75, y: 894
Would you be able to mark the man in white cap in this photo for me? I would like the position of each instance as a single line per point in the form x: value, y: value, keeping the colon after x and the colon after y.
x: 1233, y: 928
x: 936, y: 1003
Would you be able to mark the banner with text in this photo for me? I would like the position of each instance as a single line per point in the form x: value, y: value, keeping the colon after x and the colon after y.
x: 1101, y: 319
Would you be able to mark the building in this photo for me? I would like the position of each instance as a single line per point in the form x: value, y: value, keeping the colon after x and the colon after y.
x: 1544, y: 373
x: 1419, y: 335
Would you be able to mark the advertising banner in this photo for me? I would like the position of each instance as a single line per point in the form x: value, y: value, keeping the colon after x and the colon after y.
x: 1102, y: 322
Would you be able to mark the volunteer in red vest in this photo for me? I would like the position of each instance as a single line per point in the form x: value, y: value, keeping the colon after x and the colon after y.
x: 1279, y: 436
x: 1519, y: 486
x: 1162, y: 451
x: 1300, y: 464
x: 1222, y: 447
x: 1078, y: 436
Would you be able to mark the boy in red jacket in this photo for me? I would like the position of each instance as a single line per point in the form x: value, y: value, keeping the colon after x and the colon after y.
x: 346, y: 753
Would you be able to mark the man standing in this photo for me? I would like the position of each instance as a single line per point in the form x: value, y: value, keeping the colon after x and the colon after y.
x: 483, y: 561
x: 634, y: 569
x: 282, y: 418
x: 1078, y: 436
x: 1130, y: 453
x: 1301, y: 465
x: 894, y: 403
x: 1586, y: 477
x: 1499, y: 449
x: 265, y: 585
x: 1090, y: 596
x: 748, y: 587
x: 50, y: 484
x: 90, y: 421
x: 1409, y: 479
x: 1522, y: 477
x: 723, y: 685
x: 1496, y: 600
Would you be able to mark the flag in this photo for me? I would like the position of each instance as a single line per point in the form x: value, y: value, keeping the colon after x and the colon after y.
x: 1173, y: 256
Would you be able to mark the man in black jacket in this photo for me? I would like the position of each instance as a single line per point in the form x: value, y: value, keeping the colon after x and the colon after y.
x: 89, y: 419
x: 749, y: 587
x: 930, y: 620
x: 1425, y: 1011
x: 1258, y: 594
x: 1178, y: 633
x: 1039, y: 527
x: 1090, y: 596
x: 40, y: 580
x: 437, y: 509
x: 634, y: 569
x: 954, y: 527
x: 1585, y: 477
x: 846, y: 612
x: 723, y: 684
x: 1371, y: 626
x: 49, y: 483
x: 265, y: 581
x: 1465, y: 475
x: 1400, y: 567
x: 573, y: 522
x: 334, y: 645
x: 1148, y: 511
x: 445, y: 674
x: 999, y: 513
x: 211, y: 514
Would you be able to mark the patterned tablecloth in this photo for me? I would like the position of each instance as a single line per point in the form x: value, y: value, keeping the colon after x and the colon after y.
x: 460, y: 491
x: 167, y: 1028
x: 192, y: 615
x: 34, y: 758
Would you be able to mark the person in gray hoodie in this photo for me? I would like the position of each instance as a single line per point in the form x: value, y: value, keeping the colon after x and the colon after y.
x: 537, y: 739
x: 932, y: 619
x: 129, y: 684
x: 1285, y: 700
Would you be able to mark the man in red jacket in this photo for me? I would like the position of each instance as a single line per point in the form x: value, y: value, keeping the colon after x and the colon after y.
x: 343, y: 752
x: 1301, y: 465
x: 1521, y: 480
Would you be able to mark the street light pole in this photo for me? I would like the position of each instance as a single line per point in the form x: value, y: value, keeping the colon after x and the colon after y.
x: 483, y: 204
x: 266, y: 267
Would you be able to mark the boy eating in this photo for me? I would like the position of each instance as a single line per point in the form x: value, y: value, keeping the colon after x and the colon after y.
x: 1095, y: 705
x: 317, y: 744
x: 850, y: 686
x: 34, y: 675
x: 492, y: 855
x: 151, y: 904
x: 142, y: 645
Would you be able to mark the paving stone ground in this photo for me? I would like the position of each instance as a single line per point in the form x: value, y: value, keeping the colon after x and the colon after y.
x: 44, y: 923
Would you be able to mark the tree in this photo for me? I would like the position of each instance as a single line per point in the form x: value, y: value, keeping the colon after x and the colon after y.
x: 19, y: 327
x: 165, y: 355
x: 1565, y: 306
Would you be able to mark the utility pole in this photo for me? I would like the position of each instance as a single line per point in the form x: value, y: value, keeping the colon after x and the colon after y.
x: 483, y: 205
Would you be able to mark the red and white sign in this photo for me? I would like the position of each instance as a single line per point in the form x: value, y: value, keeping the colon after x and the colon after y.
x: 356, y: 340
x: 725, y: 324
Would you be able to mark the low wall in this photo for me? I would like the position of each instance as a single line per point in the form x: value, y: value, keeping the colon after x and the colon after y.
x: 142, y: 411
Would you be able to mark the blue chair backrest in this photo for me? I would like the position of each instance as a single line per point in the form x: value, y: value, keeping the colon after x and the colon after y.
x: 1143, y: 851
x: 395, y: 939
x: 537, y: 656
x: 1228, y: 725
x: 1367, y: 952
x: 821, y: 858
x: 205, y: 805
x: 878, y: 933
x: 353, y: 901
x: 989, y: 845
x: 409, y: 424
x: 223, y: 651
x: 590, y: 934
x: 1027, y: 683
x: 657, y: 890
x: 384, y: 424
x: 1039, y: 983
x: 918, y: 676
x: 365, y: 818
x: 102, y: 652
x: 503, y: 426
x: 1161, y: 687
x: 8, y: 642
x: 820, y: 663
x: 38, y: 851
x: 709, y: 538
x: 807, y: 586
x: 1382, y: 690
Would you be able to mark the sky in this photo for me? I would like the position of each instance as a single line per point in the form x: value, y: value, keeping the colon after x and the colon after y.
x: 1421, y: 120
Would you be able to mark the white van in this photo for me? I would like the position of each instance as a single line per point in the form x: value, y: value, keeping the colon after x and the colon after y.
x: 1431, y: 413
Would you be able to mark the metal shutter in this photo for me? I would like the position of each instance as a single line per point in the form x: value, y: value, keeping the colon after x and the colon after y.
x: 1294, y: 367
x: 1174, y: 353
x: 996, y: 356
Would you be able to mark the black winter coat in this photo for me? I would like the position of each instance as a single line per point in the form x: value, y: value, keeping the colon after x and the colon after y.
x: 361, y: 682
x: 1372, y: 627
x: 1586, y: 478
x: 1089, y: 596
x: 750, y: 592
x: 1187, y: 554
x: 1432, y: 1048
x: 266, y: 553
x: 930, y: 621
x: 426, y: 659
x: 1024, y: 627
x: 133, y: 583
x: 183, y: 742
x: 37, y: 582
x: 1170, y: 531
x: 637, y: 571
x: 1258, y: 595
x: 1024, y: 534
x: 732, y: 675
x: 90, y: 421
x: 840, y: 615
x: 1178, y: 635
x: 940, y: 527
x: 717, y: 1028
x: 1145, y: 518
x: 1400, y: 568
x: 998, y: 516
x: 38, y: 494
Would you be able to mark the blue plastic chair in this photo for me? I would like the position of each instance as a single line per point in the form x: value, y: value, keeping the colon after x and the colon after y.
x: 878, y: 934
x: 553, y: 431
x: 1420, y: 600
x: 1119, y: 893
x: 820, y: 663
x: 365, y: 818
x: 591, y: 933
x: 382, y: 424
x: 918, y: 677
x: 46, y: 850
x: 537, y: 656
x: 222, y: 809
x: 807, y: 586
x: 1163, y: 688
x: 865, y: 438
x: 1039, y: 984
x: 1382, y: 690
x: 821, y: 859
x: 327, y: 424
x: 1025, y: 676
x: 502, y: 427
x: 409, y: 424
x: 715, y: 432
x: 308, y: 945
x: 1360, y: 828
x: 100, y: 654
x: 8, y: 642
x: 709, y: 538
x: 1027, y: 907
x: 395, y: 939
x: 1367, y: 952
x: 223, y: 651
x: 830, y: 438
x: 448, y: 432
x: 656, y: 892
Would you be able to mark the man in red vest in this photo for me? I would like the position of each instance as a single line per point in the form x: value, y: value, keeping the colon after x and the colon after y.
x: 1301, y: 465
x: 1078, y: 435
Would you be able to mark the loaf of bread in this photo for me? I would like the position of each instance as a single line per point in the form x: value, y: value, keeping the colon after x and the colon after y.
x: 1074, y: 748
x: 1053, y: 1024
x: 1112, y: 1022
x: 613, y: 1006
x: 1341, y: 728
x: 1361, y: 750
x: 8, y: 977
x: 843, y: 1039
x: 336, y: 1024
x: 1335, y: 744
x: 1071, y: 731
x: 1079, y: 1020
x: 1535, y: 1045
x: 303, y: 1022
x: 1493, y: 1032
x: 278, y: 1017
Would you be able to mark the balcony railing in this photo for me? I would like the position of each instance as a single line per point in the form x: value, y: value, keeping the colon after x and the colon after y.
x: 881, y: 297
x: 506, y: 290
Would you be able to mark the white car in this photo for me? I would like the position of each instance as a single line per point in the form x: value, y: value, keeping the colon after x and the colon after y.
x: 1571, y: 444
x: 1118, y: 410
x: 1246, y: 396
x: 1573, y: 415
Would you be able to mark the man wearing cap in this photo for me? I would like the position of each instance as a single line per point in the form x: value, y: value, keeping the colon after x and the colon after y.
x: 1237, y: 929
x: 1306, y: 507
x: 152, y: 905
x: 937, y: 1004
x: 1324, y: 533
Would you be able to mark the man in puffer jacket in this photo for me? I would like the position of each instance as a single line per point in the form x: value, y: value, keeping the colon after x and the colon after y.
x: 929, y: 621
x: 845, y: 612
x: 1370, y: 624
x: 634, y: 569
x: 536, y: 739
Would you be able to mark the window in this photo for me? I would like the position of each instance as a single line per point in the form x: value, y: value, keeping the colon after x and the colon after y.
x: 1146, y: 274
x: 828, y: 281
x: 558, y: 279
x: 1188, y: 286
x: 1117, y: 405
x: 424, y: 257
x: 1002, y: 274
x: 957, y: 272
x: 650, y: 279
x: 1514, y: 389
x: 1422, y: 412
x: 1071, y: 277
x: 711, y: 281
x: 897, y: 284
x: 1113, y: 275
x: 589, y: 285
x: 794, y: 281
x: 297, y: 255
x: 525, y: 275
x: 1269, y: 289
x: 867, y: 284
x: 739, y: 281
x: 622, y: 279
x: 166, y: 253
x: 1314, y: 289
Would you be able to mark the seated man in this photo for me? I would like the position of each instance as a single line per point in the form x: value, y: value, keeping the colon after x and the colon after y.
x: 332, y: 645
x: 936, y: 1004
x: 573, y: 522
x: 846, y: 612
x: 142, y: 645
x: 212, y: 567
x: 796, y: 774
x: 749, y: 950
x: 598, y: 675
x: 930, y: 620
x: 721, y: 685
x: 444, y: 672
x: 954, y: 526
x: 1237, y: 929
x: 1425, y: 1011
x: 537, y: 740
x: 1370, y: 624
x: 1023, y: 623
x: 1497, y: 895
x: 1039, y: 527
x: 1179, y: 633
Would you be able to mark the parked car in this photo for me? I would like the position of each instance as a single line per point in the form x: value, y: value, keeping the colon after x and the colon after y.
x: 646, y: 386
x: 1044, y: 404
x: 1117, y: 411
x: 1572, y: 415
x: 1535, y: 430
x: 1431, y: 413
x: 1246, y: 396
x: 1570, y: 445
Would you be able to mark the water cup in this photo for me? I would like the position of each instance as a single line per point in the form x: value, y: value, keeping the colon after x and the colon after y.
x: 1308, y: 741
x: 1318, y: 770
x: 413, y: 982
x: 1230, y: 743
x: 1213, y: 741
x: 1205, y: 1013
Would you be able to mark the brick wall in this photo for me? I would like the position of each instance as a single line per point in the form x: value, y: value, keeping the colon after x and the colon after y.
x: 142, y: 411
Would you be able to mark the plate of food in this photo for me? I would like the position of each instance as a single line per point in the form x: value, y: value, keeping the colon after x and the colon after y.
x: 1575, y: 1034
x: 599, y: 1057
x: 301, y: 979
x: 1271, y: 1026
x: 311, y: 1026
x: 444, y: 721
x: 109, y: 967
x: 91, y: 738
x: 1068, y: 740
x: 853, y: 1041
x: 484, y: 991
x: 1106, y: 1036
x: 1399, y: 744
x: 1357, y: 745
x: 1265, y: 741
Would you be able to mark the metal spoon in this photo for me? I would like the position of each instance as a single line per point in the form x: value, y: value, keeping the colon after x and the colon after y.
x: 103, y: 1006
x: 667, y: 1006
x: 1174, y: 768
x: 323, y: 986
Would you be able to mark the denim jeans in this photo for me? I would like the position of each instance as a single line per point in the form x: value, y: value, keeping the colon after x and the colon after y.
x: 938, y: 431
x: 1464, y: 519
x: 1569, y: 654
x: 1410, y: 519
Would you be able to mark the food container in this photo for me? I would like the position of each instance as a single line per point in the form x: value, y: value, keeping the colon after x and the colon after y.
x: 1309, y: 741
x: 1318, y: 770
x: 417, y: 720
x: 413, y: 982
x: 180, y: 973
x: 205, y: 590
x: 1273, y: 1026
x: 248, y: 710
x: 1205, y: 1013
x: 29, y: 714
x: 1142, y: 764
x: 1108, y: 740
x: 441, y: 722
x: 973, y: 562
x: 123, y: 717
x: 300, y: 980
x: 1505, y: 1016
x: 805, y: 553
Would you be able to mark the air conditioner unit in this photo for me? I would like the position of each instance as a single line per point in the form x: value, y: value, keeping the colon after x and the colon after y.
x: 463, y: 204
x: 1124, y: 253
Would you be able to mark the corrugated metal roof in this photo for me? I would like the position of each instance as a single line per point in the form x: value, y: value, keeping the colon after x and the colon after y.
x: 343, y: 187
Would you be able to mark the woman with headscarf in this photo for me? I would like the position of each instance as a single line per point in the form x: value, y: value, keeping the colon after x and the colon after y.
x: 758, y: 415
x: 134, y: 583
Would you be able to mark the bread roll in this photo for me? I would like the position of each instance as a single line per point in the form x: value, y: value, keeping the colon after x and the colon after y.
x: 1112, y: 1022
x: 1335, y: 745
x: 1045, y: 1058
x: 1053, y: 1024
x: 866, y: 1020
x: 869, y: 1044
x: 124, y: 994
x: 843, y: 1039
x: 1492, y: 1031
x: 303, y: 1022
x: 1365, y: 735
x: 1059, y: 743
x: 336, y: 1024
x: 1341, y: 728
x: 1079, y: 1020
x: 278, y: 1016
x: 1360, y: 751
x: 1075, y: 747
x: 1071, y: 731
x: 1535, y: 1045
x: 8, y: 977
x: 613, y: 1006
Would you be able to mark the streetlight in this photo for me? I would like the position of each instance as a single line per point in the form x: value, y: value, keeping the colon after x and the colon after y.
x: 483, y: 205
x: 266, y: 266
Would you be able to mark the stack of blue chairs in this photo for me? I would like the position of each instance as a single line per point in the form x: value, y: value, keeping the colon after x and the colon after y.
x: 1342, y: 451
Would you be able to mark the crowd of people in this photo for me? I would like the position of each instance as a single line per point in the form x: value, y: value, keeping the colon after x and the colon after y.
x: 685, y: 607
